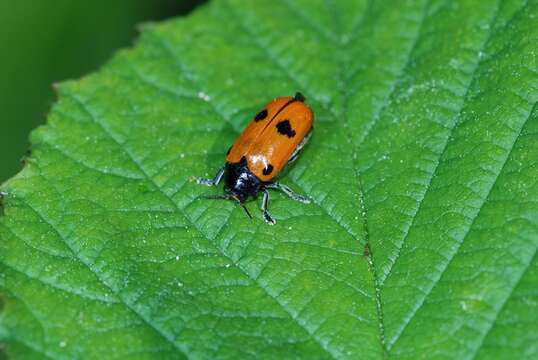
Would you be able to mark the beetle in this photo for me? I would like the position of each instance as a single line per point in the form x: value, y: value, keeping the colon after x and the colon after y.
x: 273, y: 139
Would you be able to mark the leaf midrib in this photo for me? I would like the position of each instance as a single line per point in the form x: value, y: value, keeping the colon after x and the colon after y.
x: 345, y: 79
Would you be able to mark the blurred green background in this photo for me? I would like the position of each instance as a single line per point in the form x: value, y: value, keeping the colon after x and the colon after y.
x: 46, y: 41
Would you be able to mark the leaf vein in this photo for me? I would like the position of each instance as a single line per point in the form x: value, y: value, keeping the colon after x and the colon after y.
x: 457, y: 123
x: 445, y: 266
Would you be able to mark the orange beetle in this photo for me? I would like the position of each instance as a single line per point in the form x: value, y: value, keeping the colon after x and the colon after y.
x: 271, y: 141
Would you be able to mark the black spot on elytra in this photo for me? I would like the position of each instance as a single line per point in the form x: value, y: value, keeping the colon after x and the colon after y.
x: 268, y: 169
x: 261, y: 115
x: 284, y: 127
x: 299, y: 97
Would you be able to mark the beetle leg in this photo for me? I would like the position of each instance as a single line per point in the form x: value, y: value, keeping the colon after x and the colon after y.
x: 286, y: 190
x: 212, y: 182
x: 266, y: 216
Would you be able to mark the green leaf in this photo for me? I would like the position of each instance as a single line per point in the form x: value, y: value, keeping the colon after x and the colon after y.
x: 422, y: 238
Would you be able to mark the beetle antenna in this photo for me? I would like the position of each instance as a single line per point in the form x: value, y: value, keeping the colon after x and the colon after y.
x: 246, y: 210
x: 217, y: 197
x: 242, y: 205
x: 228, y: 197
